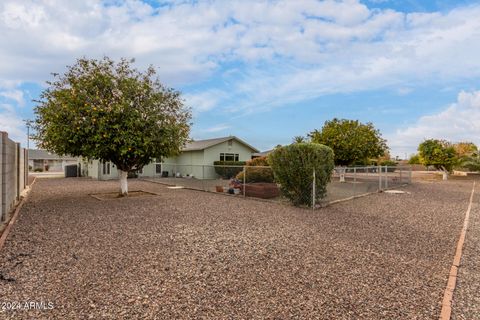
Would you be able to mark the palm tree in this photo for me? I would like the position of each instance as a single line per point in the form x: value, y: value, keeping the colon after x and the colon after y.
x: 299, y: 139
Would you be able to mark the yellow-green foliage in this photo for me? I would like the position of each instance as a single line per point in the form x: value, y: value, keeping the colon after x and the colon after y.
x: 257, y: 171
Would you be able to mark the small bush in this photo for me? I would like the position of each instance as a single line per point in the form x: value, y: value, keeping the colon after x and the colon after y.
x: 389, y: 163
x: 38, y: 170
x: 231, y: 169
x: 293, y: 167
x: 259, y: 174
x: 415, y: 159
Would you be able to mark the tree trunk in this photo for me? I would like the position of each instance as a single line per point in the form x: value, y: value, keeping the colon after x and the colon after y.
x: 445, y: 175
x: 123, y: 182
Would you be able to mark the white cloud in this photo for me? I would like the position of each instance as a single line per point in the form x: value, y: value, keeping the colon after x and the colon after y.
x: 288, y: 51
x: 15, y: 95
x: 203, y: 101
x: 11, y: 123
x: 458, y: 122
x: 217, y: 128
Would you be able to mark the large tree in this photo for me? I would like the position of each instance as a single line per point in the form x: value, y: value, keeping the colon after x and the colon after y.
x: 110, y: 111
x: 352, y: 141
x: 438, y: 153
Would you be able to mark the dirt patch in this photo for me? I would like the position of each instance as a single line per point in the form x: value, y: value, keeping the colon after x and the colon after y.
x: 117, y: 196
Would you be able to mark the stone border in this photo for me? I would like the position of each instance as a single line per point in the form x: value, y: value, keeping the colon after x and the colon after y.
x: 446, y: 312
x: 15, y: 215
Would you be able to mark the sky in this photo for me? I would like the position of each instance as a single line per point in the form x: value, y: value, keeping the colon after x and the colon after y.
x: 265, y: 71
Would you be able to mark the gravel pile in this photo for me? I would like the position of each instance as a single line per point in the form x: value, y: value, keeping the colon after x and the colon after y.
x: 466, y: 298
x: 187, y: 255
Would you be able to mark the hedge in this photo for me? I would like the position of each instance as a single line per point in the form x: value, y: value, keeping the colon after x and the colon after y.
x: 293, y: 167
x: 257, y: 171
x: 231, y: 169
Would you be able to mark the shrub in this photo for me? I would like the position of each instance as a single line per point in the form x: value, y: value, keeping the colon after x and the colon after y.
x: 389, y: 163
x: 38, y: 170
x: 260, y: 174
x: 293, y: 167
x: 414, y: 159
x: 231, y: 169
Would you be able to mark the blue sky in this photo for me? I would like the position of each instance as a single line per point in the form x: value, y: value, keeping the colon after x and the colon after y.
x: 265, y: 71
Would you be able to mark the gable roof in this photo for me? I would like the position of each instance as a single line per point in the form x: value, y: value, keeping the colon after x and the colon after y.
x: 38, y: 154
x: 205, y: 144
x: 263, y: 153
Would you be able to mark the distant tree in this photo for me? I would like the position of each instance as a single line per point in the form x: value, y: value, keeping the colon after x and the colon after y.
x: 352, y: 142
x: 414, y: 159
x: 465, y: 149
x: 438, y: 153
x: 110, y: 111
x: 299, y: 139
x: 471, y: 163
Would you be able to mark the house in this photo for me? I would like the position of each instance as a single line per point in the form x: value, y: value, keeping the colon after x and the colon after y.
x: 261, y: 154
x: 42, y: 160
x: 196, y: 160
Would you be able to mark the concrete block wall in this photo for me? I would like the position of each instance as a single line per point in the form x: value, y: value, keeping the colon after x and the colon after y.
x: 13, y: 176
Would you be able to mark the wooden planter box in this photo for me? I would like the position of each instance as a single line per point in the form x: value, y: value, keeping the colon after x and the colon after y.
x: 262, y: 190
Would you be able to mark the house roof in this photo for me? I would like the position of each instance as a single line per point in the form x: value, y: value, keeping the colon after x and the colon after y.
x: 37, y: 154
x: 205, y: 144
x: 262, y: 154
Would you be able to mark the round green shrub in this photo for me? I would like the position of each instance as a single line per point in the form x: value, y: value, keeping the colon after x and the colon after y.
x: 228, y: 169
x: 257, y: 170
x: 293, y: 168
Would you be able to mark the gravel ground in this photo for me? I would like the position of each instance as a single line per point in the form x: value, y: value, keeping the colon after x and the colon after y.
x: 186, y: 254
x: 466, y: 298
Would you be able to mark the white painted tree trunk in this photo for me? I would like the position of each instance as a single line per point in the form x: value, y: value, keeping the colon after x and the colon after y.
x: 123, y: 182
x: 445, y: 175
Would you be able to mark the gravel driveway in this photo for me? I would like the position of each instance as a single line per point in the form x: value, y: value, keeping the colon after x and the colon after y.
x: 186, y: 254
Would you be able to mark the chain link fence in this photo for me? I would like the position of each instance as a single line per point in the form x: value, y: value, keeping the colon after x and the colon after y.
x: 258, y: 181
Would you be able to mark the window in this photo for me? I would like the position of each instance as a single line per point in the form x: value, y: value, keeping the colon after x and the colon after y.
x: 229, y: 157
x: 158, y: 168
x: 106, y: 168
x: 230, y: 142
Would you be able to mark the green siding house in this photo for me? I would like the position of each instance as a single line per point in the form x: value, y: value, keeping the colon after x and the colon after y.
x: 195, y: 161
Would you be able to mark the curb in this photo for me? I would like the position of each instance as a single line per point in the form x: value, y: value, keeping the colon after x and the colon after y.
x: 446, y: 312
x: 6, y: 231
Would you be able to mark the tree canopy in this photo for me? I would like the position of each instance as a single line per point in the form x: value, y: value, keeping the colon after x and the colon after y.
x: 465, y: 149
x: 438, y: 153
x: 107, y: 110
x: 352, y: 141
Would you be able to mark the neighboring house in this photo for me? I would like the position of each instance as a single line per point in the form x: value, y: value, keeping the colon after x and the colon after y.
x: 196, y: 160
x: 261, y: 154
x: 48, y: 161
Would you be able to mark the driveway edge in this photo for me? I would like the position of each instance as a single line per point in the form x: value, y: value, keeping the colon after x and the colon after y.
x: 446, y: 312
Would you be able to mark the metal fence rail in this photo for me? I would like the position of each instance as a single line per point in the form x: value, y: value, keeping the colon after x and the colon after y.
x: 258, y: 182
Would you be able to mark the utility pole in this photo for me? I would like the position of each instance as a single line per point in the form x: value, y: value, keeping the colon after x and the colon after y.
x: 28, y: 123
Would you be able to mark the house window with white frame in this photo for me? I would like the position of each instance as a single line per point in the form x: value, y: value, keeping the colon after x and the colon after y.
x: 229, y: 156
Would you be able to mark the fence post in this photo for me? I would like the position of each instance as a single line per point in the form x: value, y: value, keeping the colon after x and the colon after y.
x: 400, y: 175
x: 313, y: 190
x: 410, y: 175
x: 244, y: 179
x: 386, y: 177
x: 379, y: 171
x: 354, y: 181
